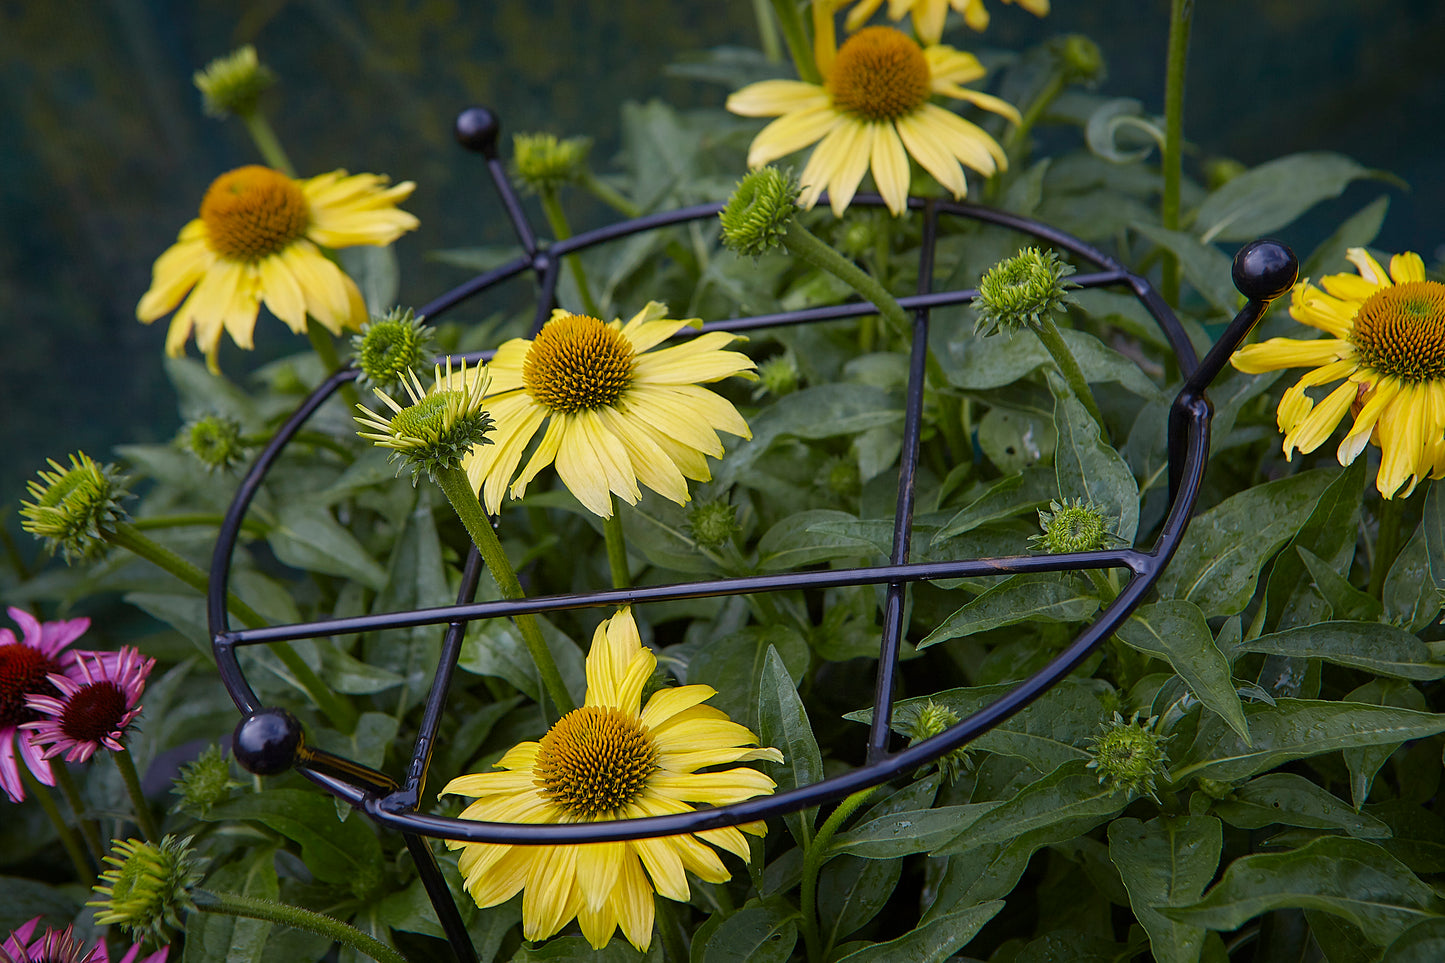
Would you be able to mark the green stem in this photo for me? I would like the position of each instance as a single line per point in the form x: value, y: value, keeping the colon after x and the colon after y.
x: 1015, y: 139
x: 813, y: 859
x: 1048, y: 333
x: 795, y: 35
x: 562, y: 230
x: 609, y: 195
x: 251, y: 907
x: 68, y: 839
x: 143, y: 817
x: 325, y: 348
x: 1107, y: 592
x: 616, y: 547
x: 1387, y: 543
x: 266, y: 142
x: 454, y: 484
x: 806, y: 245
x: 88, y: 831
x: 340, y: 711
x: 1181, y: 15
x: 767, y: 32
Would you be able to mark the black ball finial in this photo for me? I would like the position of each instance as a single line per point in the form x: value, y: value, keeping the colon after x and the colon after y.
x: 477, y: 129
x: 267, y: 740
x: 1265, y: 269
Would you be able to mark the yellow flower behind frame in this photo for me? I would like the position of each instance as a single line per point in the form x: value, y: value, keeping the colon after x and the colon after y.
x: 1386, y: 340
x: 259, y: 238
x: 617, y: 413
x: 928, y: 15
x: 872, y: 111
x: 612, y: 759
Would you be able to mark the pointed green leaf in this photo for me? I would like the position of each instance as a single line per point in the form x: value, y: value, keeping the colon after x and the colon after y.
x: 1272, y: 195
x: 1205, y: 266
x: 783, y: 724
x: 763, y: 931
x: 933, y: 942
x: 793, y: 542
x: 1164, y: 862
x: 1175, y: 630
x: 911, y: 831
x: 1363, y: 763
x: 1345, y: 601
x: 851, y: 891
x: 1070, y: 792
x: 1027, y: 491
x: 1329, y: 532
x: 1039, y: 597
x: 1422, y: 943
x: 1372, y: 646
x: 308, y: 538
x: 1411, y: 597
x: 1292, y: 800
x: 1088, y: 468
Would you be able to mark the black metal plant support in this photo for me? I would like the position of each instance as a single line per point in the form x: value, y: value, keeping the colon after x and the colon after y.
x: 270, y: 740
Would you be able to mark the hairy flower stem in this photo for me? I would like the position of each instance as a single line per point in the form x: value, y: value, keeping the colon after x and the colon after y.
x: 325, y: 348
x: 68, y: 839
x: 1017, y: 137
x: 1053, y: 341
x: 88, y: 831
x: 1181, y: 16
x: 616, y: 547
x: 562, y: 230
x: 795, y: 35
x: 814, y: 856
x: 608, y: 195
x: 340, y: 711
x: 266, y: 142
x: 454, y: 484
x: 806, y: 245
x: 272, y: 911
x: 143, y: 817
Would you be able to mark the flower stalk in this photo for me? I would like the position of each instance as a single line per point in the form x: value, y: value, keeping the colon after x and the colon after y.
x: 1181, y: 17
x: 252, y: 907
x: 143, y: 817
x: 813, y: 858
x: 616, y: 547
x: 88, y: 831
x: 795, y: 35
x: 68, y: 839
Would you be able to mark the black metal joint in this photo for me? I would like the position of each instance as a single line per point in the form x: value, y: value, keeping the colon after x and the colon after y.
x: 267, y: 741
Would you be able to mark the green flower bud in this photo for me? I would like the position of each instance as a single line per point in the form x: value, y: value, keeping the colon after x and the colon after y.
x: 1022, y: 290
x: 149, y: 887
x: 1081, y: 59
x: 841, y: 477
x: 439, y: 427
x: 544, y: 164
x: 933, y: 719
x: 390, y: 346
x: 1130, y: 755
x: 778, y: 375
x: 215, y: 440
x: 75, y: 508
x: 713, y: 524
x: 233, y: 84
x: 204, y: 783
x: 1073, y: 526
x: 759, y: 211
x: 1219, y: 171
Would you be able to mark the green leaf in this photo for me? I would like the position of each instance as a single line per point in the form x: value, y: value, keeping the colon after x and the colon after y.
x: 851, y: 891
x: 981, y: 364
x: 495, y: 647
x: 308, y: 538
x: 763, y: 931
x: 335, y: 852
x: 1033, y: 597
x: 1433, y: 524
x: 1175, y: 630
x: 1357, y: 230
x: 1346, y: 877
x: 346, y: 673
x: 1268, y: 197
x: 374, y: 269
x: 571, y: 949
x: 1088, y: 468
x: 1329, y: 533
x: 734, y: 664
x: 22, y: 898
x: 1411, y: 597
x: 1297, y: 729
x: 1372, y: 646
x: 1364, y: 763
x: 1292, y: 800
x: 1026, y: 491
x: 218, y: 938
x: 1345, y: 601
x: 911, y: 831
x: 933, y: 942
x: 1163, y: 862
x: 793, y: 542
x: 1205, y: 267
x: 1218, y: 562
x: 1070, y: 792
x: 1016, y: 440
x: 783, y: 724
x: 1422, y: 943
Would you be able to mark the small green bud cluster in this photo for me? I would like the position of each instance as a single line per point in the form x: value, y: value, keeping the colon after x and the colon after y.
x: 759, y: 211
x: 437, y: 430
x: 204, y: 783
x: 233, y: 84
x: 1080, y: 59
x: 1022, y: 291
x: 391, y: 345
x: 713, y: 524
x: 1073, y: 526
x: 840, y: 477
x: 544, y: 164
x: 215, y: 440
x: 778, y: 375
x: 148, y: 887
x: 935, y: 718
x: 1130, y: 755
x: 74, y: 508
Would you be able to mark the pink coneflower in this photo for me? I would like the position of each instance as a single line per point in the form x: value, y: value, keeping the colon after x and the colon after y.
x: 61, y: 946
x: 96, y: 703
x: 26, y: 668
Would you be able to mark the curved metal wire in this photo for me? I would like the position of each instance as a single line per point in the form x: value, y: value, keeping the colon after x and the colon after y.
x: 394, y: 805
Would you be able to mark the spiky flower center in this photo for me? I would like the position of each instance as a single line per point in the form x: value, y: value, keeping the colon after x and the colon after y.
x: 879, y: 74
x: 595, y: 761
x: 23, y: 671
x: 1400, y: 331
x: 427, y: 420
x: 577, y: 363
x: 94, y: 712
x: 253, y: 212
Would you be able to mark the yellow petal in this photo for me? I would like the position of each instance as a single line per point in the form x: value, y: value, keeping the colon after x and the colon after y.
x: 176, y: 271
x: 664, y: 865
x: 557, y: 430
x: 632, y: 901
x: 931, y: 155
x: 666, y: 703
x: 1311, y: 432
x: 769, y: 98
x: 598, y: 867
x: 282, y: 293
x: 1407, y: 267
x: 654, y: 469
x: 1368, y: 267
x: 551, y: 879
x: 792, y: 132
x: 889, y: 163
x: 1279, y: 353
x: 490, y: 467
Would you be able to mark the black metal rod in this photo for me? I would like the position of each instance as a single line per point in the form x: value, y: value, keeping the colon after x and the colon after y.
x: 441, y: 898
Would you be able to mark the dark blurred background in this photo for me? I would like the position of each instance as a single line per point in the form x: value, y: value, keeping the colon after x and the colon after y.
x: 104, y: 152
